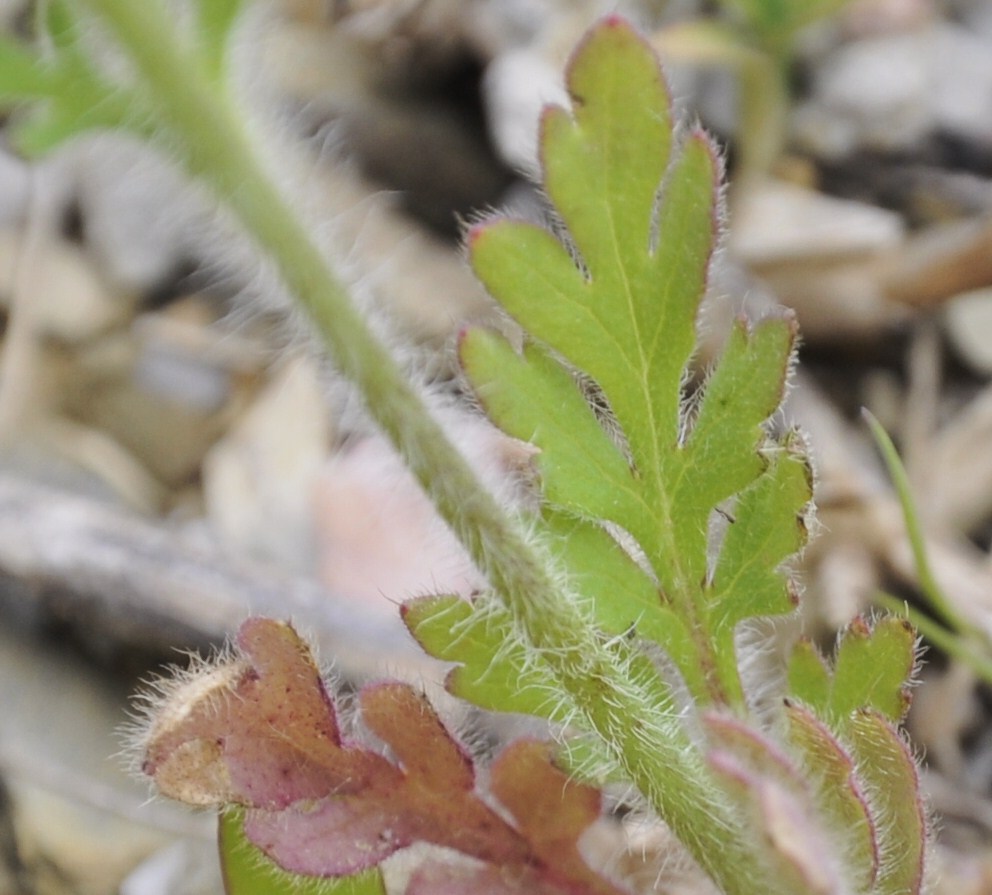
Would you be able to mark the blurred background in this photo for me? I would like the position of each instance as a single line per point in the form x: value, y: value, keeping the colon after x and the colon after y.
x: 174, y: 453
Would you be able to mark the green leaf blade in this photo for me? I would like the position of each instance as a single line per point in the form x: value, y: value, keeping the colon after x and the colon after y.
x: 494, y: 670
x: 603, y: 166
x: 873, y: 664
x: 581, y: 469
x: 886, y: 765
x: 617, y: 296
x: 23, y: 75
x: 768, y: 527
x: 744, y: 390
x: 620, y: 593
x: 840, y: 794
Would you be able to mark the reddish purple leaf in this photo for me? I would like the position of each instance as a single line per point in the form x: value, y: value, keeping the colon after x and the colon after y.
x: 259, y: 729
x: 449, y: 878
x: 551, y: 810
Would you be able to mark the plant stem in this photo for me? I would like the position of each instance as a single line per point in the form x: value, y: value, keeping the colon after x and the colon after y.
x: 645, y: 737
x: 914, y: 532
x: 764, y: 106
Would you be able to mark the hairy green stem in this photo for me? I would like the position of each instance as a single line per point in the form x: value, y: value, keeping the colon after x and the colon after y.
x: 216, y: 148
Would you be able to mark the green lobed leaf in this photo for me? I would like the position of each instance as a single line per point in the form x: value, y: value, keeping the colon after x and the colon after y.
x: 61, y: 89
x: 891, y: 778
x: 871, y: 667
x: 767, y: 527
x: 840, y: 794
x: 582, y: 470
x: 744, y: 390
x: 247, y: 870
x: 617, y: 296
x: 494, y: 671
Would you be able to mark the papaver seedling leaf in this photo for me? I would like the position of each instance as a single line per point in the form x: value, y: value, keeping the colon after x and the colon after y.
x: 872, y: 665
x: 612, y: 295
x: 667, y: 507
x: 71, y: 94
x: 840, y: 794
x: 260, y: 731
x: 493, y: 669
x: 581, y: 469
x: 891, y: 777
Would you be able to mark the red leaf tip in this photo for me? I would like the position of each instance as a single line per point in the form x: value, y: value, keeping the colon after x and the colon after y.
x: 615, y: 20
